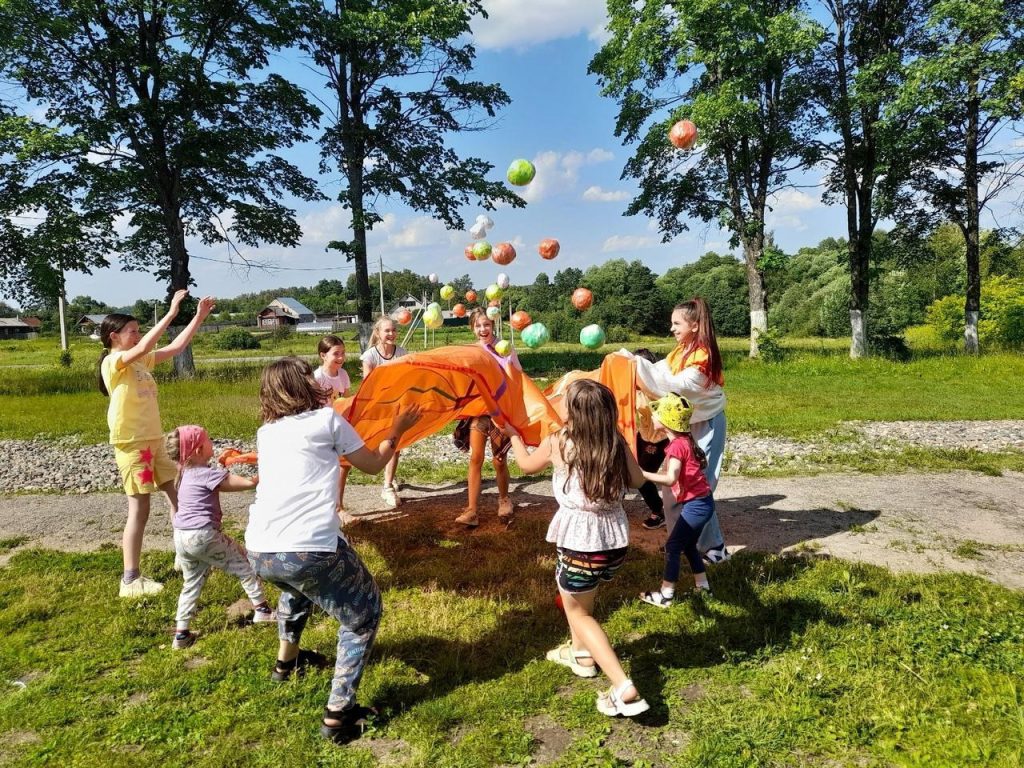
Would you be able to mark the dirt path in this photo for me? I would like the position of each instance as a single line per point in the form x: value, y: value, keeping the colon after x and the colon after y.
x: 916, y: 522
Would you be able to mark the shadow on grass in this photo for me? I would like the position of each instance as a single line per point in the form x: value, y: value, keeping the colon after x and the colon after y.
x: 515, y: 566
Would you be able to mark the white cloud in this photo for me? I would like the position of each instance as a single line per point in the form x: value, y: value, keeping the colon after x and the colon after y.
x: 322, y: 225
x: 418, y: 233
x: 787, y: 201
x: 627, y: 243
x: 595, y: 194
x: 559, y: 172
x: 523, y: 23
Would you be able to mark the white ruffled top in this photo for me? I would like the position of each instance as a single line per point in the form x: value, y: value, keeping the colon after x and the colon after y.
x: 584, y: 525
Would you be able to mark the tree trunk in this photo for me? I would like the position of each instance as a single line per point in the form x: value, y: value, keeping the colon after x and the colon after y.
x: 972, y: 304
x: 752, y: 251
x: 184, y: 364
x: 859, y: 250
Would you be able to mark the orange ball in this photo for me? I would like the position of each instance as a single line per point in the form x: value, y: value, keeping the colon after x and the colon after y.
x: 469, y: 253
x: 683, y: 134
x: 582, y: 298
x: 404, y: 317
x: 503, y: 253
x: 459, y: 310
x: 494, y: 303
x: 470, y: 296
x: 548, y: 248
x: 520, y: 320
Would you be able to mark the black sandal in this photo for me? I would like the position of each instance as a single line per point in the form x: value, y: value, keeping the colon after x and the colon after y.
x: 352, y: 722
x: 306, y: 659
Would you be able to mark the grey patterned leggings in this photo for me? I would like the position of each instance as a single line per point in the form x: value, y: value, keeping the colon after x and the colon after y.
x: 202, y: 549
x: 342, y: 586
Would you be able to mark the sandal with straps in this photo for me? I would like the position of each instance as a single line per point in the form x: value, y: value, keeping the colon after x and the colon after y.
x: 568, y: 657
x: 610, y: 702
x: 657, y: 598
x: 352, y: 722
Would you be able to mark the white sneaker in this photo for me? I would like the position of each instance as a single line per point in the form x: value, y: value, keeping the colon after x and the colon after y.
x: 719, y: 555
x: 141, y: 586
x: 264, y: 617
x: 390, y: 497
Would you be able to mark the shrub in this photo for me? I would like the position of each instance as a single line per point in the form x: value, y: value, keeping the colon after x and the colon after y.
x: 1002, y: 313
x: 64, y: 358
x: 769, y: 346
x: 236, y: 338
x: 282, y: 333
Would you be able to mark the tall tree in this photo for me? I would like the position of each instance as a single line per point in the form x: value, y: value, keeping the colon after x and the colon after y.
x: 858, y: 71
x: 738, y: 70
x: 182, y: 139
x: 398, y: 72
x: 960, y: 94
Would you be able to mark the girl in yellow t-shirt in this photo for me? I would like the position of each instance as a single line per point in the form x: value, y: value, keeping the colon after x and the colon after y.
x: 134, y: 419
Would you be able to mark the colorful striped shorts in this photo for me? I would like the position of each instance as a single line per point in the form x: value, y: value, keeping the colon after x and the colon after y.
x: 584, y: 571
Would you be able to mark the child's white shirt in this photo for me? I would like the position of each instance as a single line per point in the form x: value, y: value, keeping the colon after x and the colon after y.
x: 297, y: 494
x: 339, y: 384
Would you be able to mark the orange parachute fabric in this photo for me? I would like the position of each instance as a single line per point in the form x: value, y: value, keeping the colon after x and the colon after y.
x: 618, y: 373
x: 446, y: 384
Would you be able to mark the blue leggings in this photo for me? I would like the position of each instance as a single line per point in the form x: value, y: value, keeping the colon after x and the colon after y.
x: 341, y: 585
x: 692, y: 518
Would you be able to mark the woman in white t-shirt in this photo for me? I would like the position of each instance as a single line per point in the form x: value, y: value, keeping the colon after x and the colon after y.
x: 382, y: 350
x: 294, y: 540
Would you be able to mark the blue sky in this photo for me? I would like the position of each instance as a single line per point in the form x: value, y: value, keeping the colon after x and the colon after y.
x: 538, y: 50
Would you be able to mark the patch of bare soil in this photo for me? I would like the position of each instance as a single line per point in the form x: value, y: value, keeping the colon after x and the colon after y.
x: 922, y: 523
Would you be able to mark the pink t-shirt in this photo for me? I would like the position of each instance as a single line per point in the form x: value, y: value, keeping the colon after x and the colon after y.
x: 691, y: 483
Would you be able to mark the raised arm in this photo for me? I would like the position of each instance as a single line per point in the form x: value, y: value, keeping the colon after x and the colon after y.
x: 147, y: 342
x: 529, y: 463
x: 178, y: 344
x: 237, y: 483
x: 657, y: 380
x: 669, y: 476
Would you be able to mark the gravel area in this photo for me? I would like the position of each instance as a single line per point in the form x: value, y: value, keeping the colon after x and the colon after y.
x: 69, y: 466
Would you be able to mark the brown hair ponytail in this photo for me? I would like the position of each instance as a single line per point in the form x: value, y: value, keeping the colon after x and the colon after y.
x: 696, y: 311
x: 112, y: 323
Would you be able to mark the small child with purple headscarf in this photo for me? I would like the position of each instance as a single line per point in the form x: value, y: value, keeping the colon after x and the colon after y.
x: 199, y: 543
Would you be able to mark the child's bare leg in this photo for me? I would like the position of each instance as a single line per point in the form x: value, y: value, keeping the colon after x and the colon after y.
x: 389, y: 471
x: 134, y: 528
x: 342, y: 479
x: 477, y: 441
x: 588, y: 635
x: 502, y: 477
x: 171, y: 494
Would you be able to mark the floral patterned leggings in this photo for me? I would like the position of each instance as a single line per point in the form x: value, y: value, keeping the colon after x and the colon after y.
x: 342, y: 586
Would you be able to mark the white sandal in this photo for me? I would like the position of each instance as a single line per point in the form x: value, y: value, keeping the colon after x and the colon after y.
x: 568, y: 657
x: 657, y: 598
x: 610, y: 702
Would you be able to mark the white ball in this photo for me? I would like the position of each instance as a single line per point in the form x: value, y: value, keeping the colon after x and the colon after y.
x: 502, y: 280
x: 432, y: 277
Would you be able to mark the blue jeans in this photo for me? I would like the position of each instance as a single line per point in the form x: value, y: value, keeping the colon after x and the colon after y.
x: 342, y: 586
x: 691, y: 518
x: 710, y: 436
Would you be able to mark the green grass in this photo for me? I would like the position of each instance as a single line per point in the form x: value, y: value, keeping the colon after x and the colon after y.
x: 797, y: 662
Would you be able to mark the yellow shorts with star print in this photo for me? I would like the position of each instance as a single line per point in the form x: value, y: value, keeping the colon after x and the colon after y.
x: 144, y: 466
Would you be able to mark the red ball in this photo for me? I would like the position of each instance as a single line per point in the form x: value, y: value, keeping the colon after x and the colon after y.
x: 548, y: 248
x: 459, y: 310
x: 470, y: 296
x: 404, y: 317
x: 469, y: 253
x: 683, y: 134
x: 582, y: 298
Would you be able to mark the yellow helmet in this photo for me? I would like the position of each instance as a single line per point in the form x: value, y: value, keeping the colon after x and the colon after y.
x: 673, y: 412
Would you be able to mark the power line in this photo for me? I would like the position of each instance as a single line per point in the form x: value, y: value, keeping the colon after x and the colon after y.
x: 273, y: 266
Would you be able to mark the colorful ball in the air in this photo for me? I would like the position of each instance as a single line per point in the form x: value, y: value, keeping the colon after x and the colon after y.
x: 592, y: 336
x: 519, y: 320
x: 434, y: 308
x: 433, y: 320
x: 582, y: 298
x: 683, y: 134
x: 494, y: 303
x: 468, y: 252
x: 493, y: 313
x: 447, y: 292
x: 535, y: 334
x: 404, y: 317
x: 503, y: 253
x: 459, y: 310
x: 470, y: 296
x: 548, y: 248
x: 481, y: 250
x: 493, y: 291
x: 432, y: 277
x: 520, y: 172
x: 503, y: 347
x: 502, y: 281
